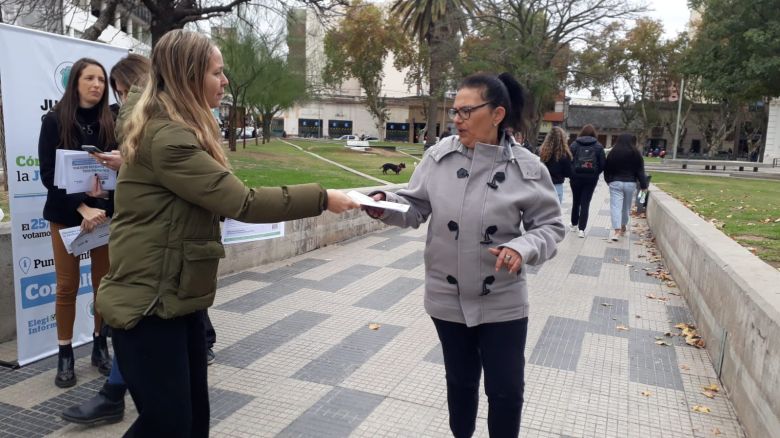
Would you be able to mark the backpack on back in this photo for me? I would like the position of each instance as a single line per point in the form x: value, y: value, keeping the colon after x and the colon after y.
x: 585, y: 159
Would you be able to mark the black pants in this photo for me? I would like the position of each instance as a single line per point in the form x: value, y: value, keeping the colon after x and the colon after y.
x: 163, y: 362
x: 499, y: 349
x: 211, y: 335
x: 581, y: 194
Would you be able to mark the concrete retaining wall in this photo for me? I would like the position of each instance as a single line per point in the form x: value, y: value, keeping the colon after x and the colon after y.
x: 300, y: 236
x: 735, y: 299
x: 7, y: 301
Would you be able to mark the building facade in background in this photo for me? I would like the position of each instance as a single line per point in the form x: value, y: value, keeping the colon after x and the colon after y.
x: 336, y: 111
x: 129, y: 29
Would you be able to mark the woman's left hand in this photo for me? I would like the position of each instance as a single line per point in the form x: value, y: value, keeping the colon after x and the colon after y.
x: 97, y: 190
x: 507, y: 257
x: 112, y: 160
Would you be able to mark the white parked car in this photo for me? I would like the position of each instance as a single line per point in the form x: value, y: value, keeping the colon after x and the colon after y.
x: 348, y: 137
x: 246, y: 132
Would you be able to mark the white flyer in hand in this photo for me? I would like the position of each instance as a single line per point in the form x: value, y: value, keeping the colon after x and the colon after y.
x: 73, y: 171
x: 78, y: 242
x: 369, y: 202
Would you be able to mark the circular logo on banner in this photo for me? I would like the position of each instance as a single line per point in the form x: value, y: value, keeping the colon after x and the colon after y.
x: 61, y: 75
x: 91, y: 309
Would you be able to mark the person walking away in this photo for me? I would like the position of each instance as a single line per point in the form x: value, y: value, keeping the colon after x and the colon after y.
x: 81, y: 117
x: 555, y: 154
x: 172, y: 189
x: 478, y: 188
x: 624, y: 169
x: 587, y: 164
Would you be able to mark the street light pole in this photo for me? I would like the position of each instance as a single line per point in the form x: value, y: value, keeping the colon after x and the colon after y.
x: 677, y: 125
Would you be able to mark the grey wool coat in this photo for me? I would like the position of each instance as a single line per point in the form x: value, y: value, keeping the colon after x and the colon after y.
x: 477, y: 199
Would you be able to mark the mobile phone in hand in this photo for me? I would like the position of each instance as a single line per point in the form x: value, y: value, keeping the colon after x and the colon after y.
x: 91, y: 149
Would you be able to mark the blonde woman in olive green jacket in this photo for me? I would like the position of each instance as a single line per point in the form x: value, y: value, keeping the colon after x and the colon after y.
x: 165, y: 236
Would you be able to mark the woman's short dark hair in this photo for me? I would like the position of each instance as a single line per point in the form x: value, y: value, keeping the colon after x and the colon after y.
x: 502, y: 90
x: 588, y: 131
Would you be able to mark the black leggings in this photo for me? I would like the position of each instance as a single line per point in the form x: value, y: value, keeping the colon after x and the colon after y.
x: 581, y: 194
x: 499, y: 349
x: 163, y: 362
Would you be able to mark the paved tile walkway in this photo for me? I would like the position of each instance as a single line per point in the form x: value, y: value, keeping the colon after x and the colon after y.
x: 296, y: 357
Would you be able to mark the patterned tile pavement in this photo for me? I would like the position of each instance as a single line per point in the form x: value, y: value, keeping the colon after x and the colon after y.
x: 296, y: 357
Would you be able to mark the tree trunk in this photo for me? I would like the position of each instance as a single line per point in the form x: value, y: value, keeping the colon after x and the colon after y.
x: 437, y: 58
x: 93, y: 32
x: 232, y: 125
x: 267, y: 117
x: 165, y: 21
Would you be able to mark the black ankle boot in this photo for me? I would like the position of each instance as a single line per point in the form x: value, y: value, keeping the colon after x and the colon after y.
x: 66, y: 377
x: 107, y: 406
x: 100, y: 356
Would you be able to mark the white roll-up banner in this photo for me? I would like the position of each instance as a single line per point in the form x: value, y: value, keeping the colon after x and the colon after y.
x: 34, y: 68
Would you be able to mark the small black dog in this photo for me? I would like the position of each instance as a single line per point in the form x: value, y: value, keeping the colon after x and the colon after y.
x: 395, y: 168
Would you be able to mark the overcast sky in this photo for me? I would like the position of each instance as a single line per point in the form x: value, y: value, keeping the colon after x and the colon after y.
x: 673, y: 13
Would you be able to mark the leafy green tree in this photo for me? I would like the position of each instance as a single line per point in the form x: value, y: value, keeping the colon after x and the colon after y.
x: 435, y: 24
x: 735, y: 53
x: 638, y: 66
x: 358, y: 48
x: 242, y: 68
x: 736, y: 48
x: 277, y: 88
x: 534, y: 40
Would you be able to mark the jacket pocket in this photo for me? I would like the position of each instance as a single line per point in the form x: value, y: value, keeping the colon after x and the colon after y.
x: 199, y: 268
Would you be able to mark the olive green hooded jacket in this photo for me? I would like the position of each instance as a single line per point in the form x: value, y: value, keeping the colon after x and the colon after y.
x: 165, y: 235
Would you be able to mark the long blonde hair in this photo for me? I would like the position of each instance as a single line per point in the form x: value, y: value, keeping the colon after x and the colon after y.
x: 554, y: 146
x: 176, y: 87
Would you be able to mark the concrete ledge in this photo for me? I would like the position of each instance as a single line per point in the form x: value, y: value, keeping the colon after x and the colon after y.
x: 7, y: 298
x: 735, y: 298
x: 300, y: 237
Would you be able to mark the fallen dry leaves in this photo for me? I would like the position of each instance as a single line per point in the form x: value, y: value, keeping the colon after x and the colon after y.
x: 690, y: 334
x: 622, y: 327
x: 661, y: 299
x: 374, y: 326
x: 711, y: 387
x: 646, y: 393
x: 701, y: 409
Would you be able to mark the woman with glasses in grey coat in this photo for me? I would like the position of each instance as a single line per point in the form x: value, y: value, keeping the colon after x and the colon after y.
x: 478, y: 188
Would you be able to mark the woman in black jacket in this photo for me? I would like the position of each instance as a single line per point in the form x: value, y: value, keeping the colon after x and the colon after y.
x: 557, y: 157
x: 624, y: 168
x: 587, y: 164
x: 82, y: 117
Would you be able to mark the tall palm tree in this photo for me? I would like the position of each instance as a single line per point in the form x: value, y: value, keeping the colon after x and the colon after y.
x: 435, y: 24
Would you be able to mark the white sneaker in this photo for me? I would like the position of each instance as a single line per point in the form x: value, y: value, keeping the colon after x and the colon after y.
x: 581, y: 234
x: 573, y: 228
x: 613, y: 236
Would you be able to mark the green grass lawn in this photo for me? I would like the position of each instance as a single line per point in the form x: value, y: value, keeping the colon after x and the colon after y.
x: 369, y: 162
x: 276, y: 163
x: 748, y: 209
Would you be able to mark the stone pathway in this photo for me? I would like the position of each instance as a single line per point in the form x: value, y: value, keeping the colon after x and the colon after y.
x: 296, y: 357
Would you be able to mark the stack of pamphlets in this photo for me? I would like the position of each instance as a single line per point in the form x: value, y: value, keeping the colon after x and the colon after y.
x: 73, y: 171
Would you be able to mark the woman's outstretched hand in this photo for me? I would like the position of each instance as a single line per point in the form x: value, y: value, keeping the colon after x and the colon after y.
x: 338, y: 202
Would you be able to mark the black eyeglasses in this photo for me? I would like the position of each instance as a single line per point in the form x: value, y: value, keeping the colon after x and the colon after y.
x: 464, y: 112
